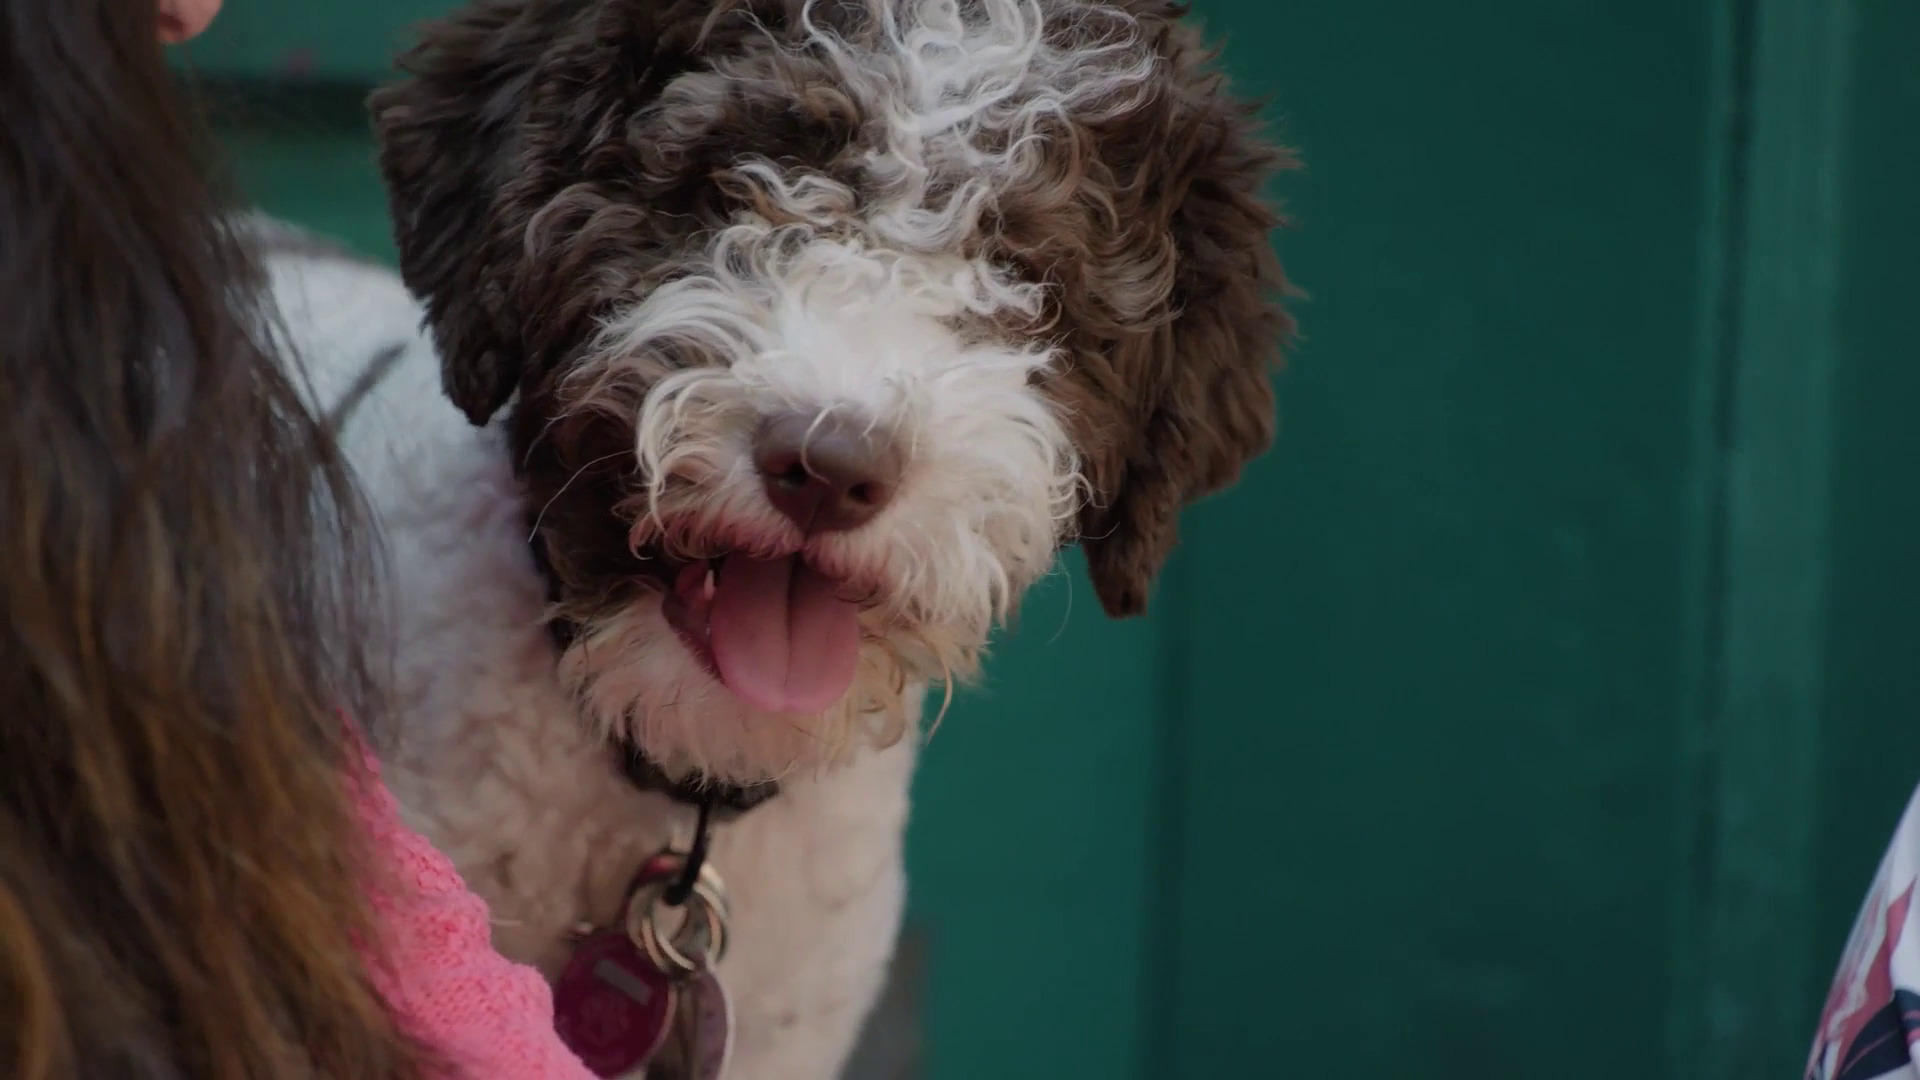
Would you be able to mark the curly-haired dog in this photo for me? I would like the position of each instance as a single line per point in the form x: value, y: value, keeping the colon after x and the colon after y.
x: 800, y: 336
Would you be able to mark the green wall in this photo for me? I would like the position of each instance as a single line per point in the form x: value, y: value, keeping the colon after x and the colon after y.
x: 1540, y: 705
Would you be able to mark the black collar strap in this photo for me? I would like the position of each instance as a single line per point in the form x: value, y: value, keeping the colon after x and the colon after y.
x: 726, y: 800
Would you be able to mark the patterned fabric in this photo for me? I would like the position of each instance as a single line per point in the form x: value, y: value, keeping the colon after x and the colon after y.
x: 1870, y: 1028
x: 491, y: 1018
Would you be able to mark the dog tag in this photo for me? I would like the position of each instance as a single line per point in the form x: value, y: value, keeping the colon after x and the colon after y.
x: 701, y: 1041
x: 611, y: 1006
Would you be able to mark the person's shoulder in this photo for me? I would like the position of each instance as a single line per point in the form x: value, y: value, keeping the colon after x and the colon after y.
x: 1871, y: 1022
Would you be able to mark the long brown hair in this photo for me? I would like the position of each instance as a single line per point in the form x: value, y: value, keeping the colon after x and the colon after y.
x: 179, y: 870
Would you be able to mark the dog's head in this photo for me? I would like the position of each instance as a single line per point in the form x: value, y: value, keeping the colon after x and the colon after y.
x: 826, y: 323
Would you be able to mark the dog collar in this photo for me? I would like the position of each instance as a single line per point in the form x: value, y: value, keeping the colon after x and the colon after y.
x: 726, y: 800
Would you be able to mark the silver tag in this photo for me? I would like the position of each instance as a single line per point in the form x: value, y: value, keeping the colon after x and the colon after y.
x: 701, y: 1041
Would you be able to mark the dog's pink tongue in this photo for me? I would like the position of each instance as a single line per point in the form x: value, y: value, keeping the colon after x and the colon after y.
x: 781, y: 639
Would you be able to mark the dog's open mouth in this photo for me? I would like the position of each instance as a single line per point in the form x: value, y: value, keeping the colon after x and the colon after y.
x: 775, y: 631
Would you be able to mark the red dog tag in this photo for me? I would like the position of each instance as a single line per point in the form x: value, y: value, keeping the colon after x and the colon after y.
x: 611, y: 1007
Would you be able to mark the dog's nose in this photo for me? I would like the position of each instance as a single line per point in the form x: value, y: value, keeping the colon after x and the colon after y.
x: 825, y: 473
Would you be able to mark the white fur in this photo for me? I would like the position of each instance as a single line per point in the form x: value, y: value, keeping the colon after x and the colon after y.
x: 824, y: 327
x: 868, y: 308
x: 492, y: 763
x: 860, y: 307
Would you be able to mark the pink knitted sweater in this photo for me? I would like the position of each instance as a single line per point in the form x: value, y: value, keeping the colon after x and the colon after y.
x: 491, y: 1019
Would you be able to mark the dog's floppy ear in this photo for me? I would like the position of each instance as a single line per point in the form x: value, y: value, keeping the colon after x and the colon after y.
x: 1201, y: 379
x: 447, y: 134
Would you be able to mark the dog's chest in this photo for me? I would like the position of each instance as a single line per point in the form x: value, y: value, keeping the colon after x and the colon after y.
x: 814, y: 878
x: 492, y: 763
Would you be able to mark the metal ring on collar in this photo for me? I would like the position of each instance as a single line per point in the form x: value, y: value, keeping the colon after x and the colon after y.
x: 700, y: 941
x: 667, y: 866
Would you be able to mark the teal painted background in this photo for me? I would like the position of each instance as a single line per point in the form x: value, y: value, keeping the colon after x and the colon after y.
x: 1539, y: 706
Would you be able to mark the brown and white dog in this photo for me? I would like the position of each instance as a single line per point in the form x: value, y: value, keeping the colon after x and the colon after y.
x: 798, y: 336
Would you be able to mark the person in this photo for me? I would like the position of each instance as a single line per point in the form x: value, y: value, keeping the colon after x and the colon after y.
x: 200, y: 874
x: 1870, y: 1027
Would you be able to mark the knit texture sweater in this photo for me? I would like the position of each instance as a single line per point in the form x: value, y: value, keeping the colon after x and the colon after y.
x: 489, y: 1018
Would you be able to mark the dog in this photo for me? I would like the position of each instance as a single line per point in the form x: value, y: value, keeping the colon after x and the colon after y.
x: 772, y: 350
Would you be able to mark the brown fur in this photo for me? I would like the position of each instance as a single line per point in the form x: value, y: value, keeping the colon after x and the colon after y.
x: 537, y: 182
x: 180, y: 872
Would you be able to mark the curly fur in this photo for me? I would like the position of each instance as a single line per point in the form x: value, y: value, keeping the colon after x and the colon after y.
x: 1020, y: 242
